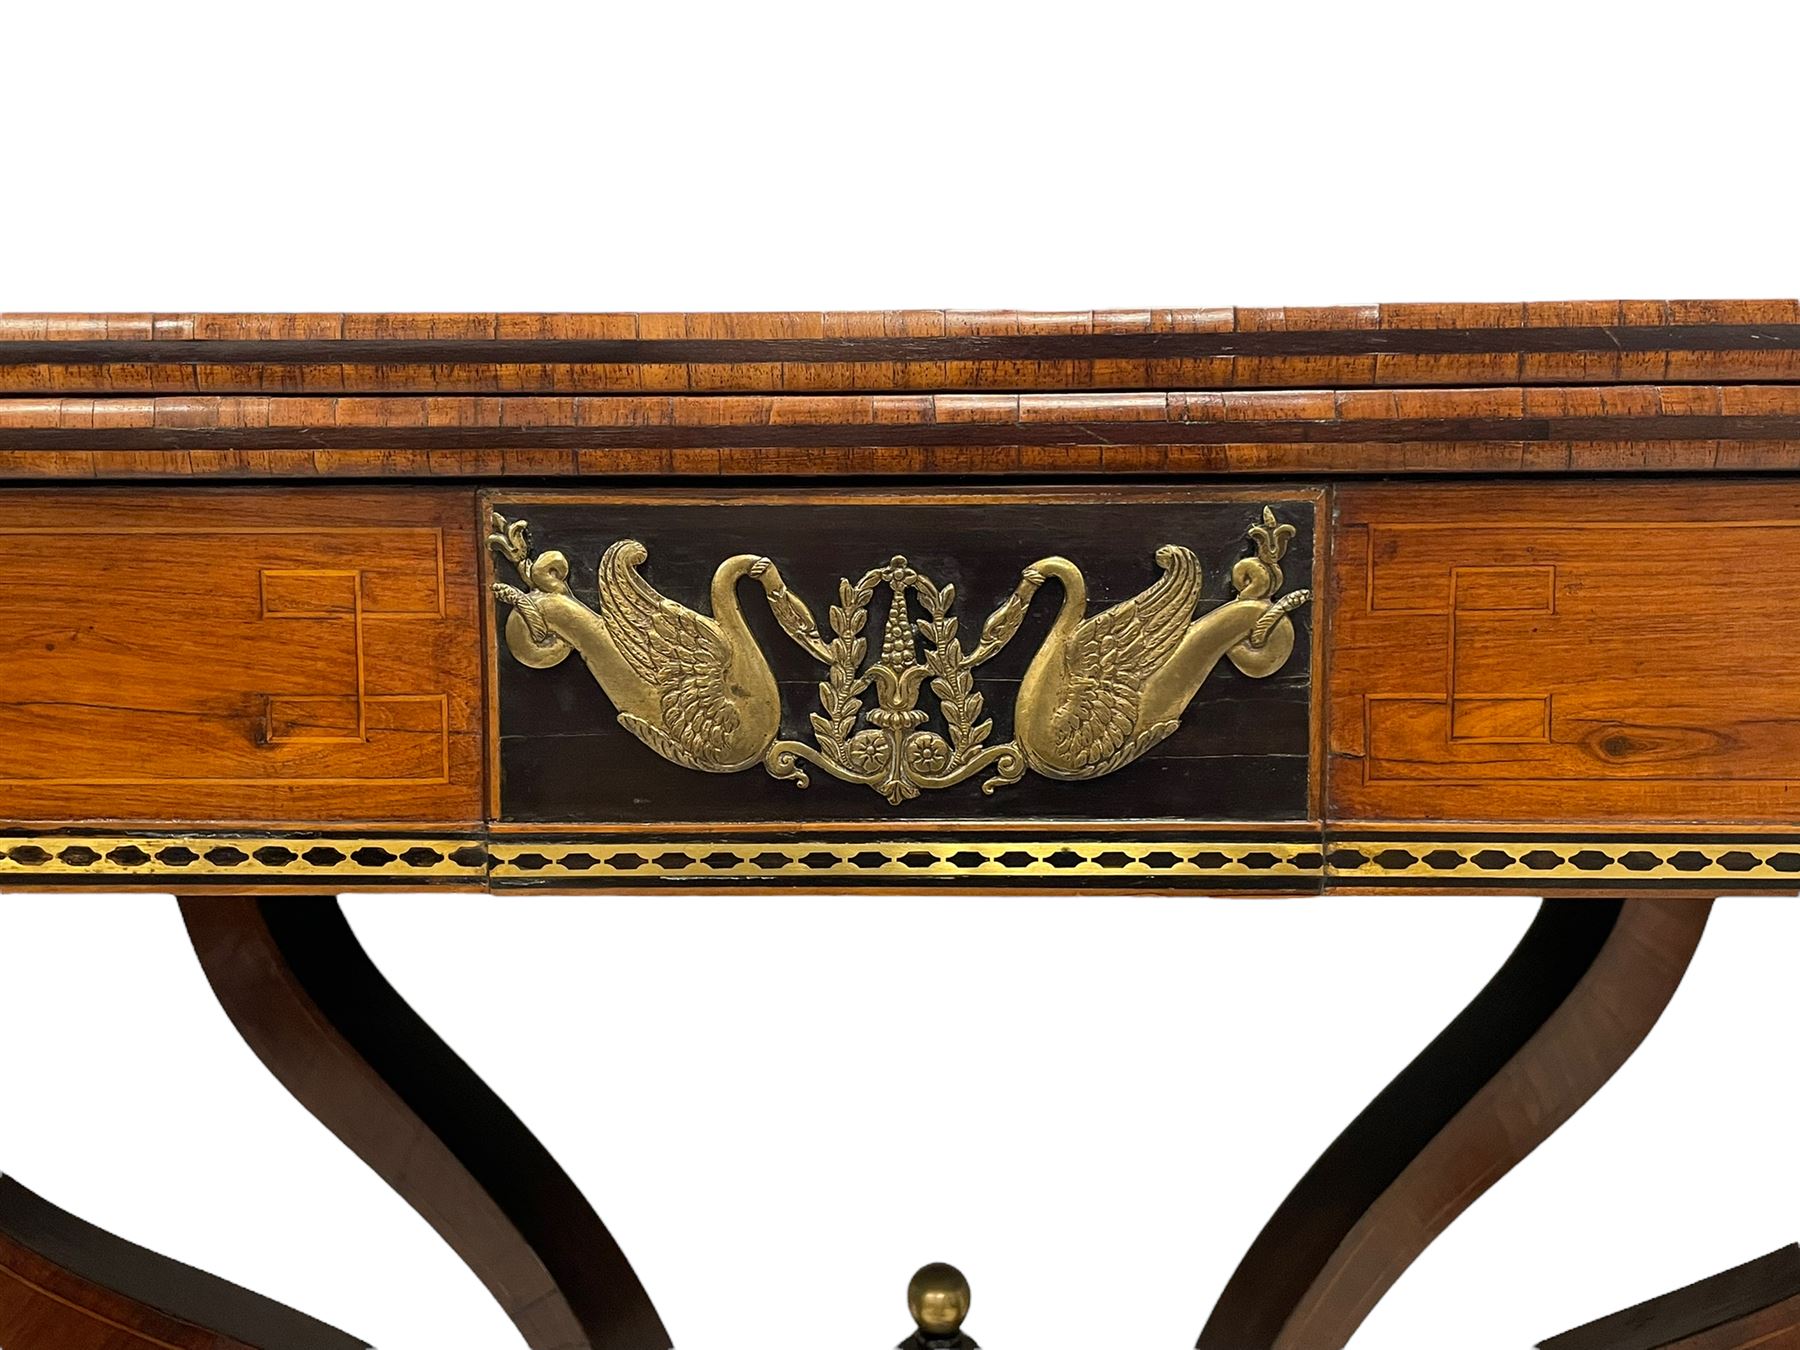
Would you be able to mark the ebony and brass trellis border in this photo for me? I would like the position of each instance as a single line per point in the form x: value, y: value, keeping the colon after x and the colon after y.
x: 1199, y: 860
x: 1289, y: 861
x: 138, y: 859
x: 1531, y: 863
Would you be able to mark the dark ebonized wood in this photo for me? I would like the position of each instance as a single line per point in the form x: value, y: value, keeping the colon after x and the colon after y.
x: 1241, y: 753
x: 1569, y: 1006
x: 307, y: 999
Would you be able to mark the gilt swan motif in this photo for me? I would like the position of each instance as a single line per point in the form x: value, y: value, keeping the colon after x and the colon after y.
x: 1104, y: 689
x: 694, y: 688
x: 1101, y: 690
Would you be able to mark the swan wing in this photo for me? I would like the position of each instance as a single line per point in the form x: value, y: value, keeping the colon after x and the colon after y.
x: 697, y: 706
x: 1113, y: 654
x: 681, y: 654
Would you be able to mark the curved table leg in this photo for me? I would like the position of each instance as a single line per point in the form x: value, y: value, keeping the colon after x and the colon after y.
x: 1571, y: 1004
x: 305, y: 996
x: 67, y: 1285
x: 1755, y: 1304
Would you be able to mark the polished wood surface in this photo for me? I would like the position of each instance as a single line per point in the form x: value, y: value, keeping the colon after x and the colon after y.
x: 306, y: 998
x: 1556, y: 342
x: 1527, y: 686
x: 67, y: 1285
x: 240, y: 656
x: 1573, y: 1002
x: 1610, y: 429
x: 1557, y: 654
x: 1755, y: 1306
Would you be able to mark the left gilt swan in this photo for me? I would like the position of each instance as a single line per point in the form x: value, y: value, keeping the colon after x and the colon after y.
x: 693, y: 687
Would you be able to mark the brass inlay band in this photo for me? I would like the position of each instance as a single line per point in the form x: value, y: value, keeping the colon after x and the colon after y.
x: 898, y: 861
x: 1503, y: 860
x: 1099, y: 692
x: 1608, y: 860
x: 268, y: 856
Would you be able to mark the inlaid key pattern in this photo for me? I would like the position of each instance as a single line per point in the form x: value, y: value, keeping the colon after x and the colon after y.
x: 1571, y: 654
x: 255, y: 657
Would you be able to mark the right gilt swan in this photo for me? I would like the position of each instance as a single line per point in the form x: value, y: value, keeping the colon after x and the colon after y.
x: 1104, y: 689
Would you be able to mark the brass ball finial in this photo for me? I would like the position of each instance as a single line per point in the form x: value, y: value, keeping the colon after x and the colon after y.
x: 938, y: 1299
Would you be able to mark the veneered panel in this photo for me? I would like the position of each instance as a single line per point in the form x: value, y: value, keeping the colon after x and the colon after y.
x: 253, y: 657
x: 67, y: 1285
x: 1306, y: 348
x: 1535, y: 653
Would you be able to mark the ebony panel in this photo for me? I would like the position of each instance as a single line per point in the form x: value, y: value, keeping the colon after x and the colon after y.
x: 1241, y: 752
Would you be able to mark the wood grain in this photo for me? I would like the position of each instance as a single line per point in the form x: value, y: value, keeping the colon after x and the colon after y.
x: 1572, y: 1003
x: 307, y: 999
x: 1561, y: 655
x: 1359, y: 345
x: 1603, y: 665
x: 240, y: 656
x: 1755, y: 1305
x: 1608, y: 428
x: 67, y: 1285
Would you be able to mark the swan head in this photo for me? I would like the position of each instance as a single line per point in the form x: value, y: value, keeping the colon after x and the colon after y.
x: 789, y: 609
x: 550, y: 572
x: 1166, y: 556
x: 1053, y: 568
x: 1253, y: 579
x: 767, y: 575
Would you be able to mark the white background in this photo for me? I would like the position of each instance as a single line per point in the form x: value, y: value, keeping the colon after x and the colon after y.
x: 782, y: 1106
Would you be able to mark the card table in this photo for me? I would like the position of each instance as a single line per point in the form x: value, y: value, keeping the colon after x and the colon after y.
x: 1454, y: 599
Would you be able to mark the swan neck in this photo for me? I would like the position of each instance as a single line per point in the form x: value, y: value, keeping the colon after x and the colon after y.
x: 1215, y: 633
x: 1074, y: 602
x: 724, y: 589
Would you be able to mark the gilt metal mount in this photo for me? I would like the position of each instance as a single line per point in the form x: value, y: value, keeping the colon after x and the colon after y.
x: 1099, y: 692
x: 937, y: 1296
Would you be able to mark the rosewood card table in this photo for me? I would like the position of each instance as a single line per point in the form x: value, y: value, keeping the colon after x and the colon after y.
x: 1444, y: 598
